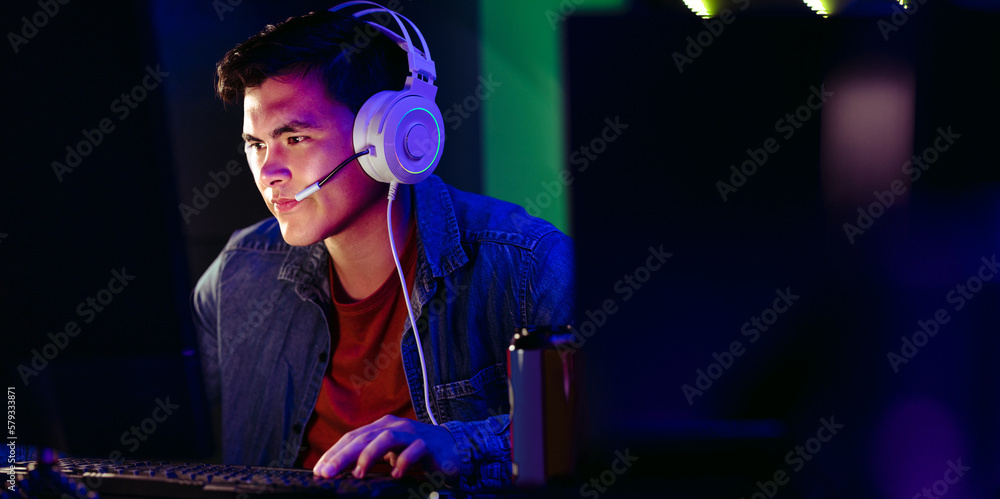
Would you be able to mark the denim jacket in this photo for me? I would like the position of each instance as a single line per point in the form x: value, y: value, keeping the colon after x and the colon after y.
x: 484, y: 269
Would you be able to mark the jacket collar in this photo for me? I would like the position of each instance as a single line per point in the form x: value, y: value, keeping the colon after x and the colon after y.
x: 309, y: 267
x: 438, y: 227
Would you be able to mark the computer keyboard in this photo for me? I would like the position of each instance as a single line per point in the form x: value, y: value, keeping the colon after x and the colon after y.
x: 197, y: 480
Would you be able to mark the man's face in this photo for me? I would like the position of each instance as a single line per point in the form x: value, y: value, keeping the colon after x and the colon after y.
x: 295, y: 134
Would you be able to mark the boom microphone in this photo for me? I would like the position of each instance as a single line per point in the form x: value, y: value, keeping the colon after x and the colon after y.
x: 309, y: 191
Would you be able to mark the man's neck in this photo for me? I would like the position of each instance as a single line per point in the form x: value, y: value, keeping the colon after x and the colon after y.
x: 361, y: 256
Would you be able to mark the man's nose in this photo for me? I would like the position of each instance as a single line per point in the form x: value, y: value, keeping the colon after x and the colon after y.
x: 274, y: 171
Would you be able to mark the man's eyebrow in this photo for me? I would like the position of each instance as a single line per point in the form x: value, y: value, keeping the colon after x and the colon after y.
x: 292, y: 127
x: 289, y: 127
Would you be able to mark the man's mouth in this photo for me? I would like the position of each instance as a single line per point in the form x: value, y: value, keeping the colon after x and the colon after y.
x: 283, y: 205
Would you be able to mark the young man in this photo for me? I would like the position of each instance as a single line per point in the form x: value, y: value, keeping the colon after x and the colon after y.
x: 305, y: 342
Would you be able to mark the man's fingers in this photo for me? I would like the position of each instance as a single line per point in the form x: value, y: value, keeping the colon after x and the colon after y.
x: 328, y: 466
x: 401, y: 442
x: 411, y: 455
x: 348, y: 439
x: 386, y: 441
x: 332, y: 465
x: 343, y: 454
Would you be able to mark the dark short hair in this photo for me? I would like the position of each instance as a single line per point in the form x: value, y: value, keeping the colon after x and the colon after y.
x: 354, y: 60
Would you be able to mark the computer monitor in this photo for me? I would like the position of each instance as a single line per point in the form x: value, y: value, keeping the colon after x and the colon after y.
x: 98, y: 346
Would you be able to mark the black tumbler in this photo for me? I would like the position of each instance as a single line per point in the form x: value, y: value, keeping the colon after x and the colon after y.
x: 543, y: 376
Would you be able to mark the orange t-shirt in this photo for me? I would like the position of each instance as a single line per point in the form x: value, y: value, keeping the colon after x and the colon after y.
x: 364, y: 379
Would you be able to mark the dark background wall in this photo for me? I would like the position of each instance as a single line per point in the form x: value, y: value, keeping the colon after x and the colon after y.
x: 650, y: 183
x: 663, y: 359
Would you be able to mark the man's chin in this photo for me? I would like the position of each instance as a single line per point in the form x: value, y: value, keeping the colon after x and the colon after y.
x: 295, y: 238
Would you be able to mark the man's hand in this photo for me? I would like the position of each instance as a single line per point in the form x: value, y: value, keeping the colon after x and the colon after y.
x: 400, y: 441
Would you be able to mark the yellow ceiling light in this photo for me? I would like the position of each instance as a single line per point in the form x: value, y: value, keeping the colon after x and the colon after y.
x: 818, y: 7
x: 698, y: 7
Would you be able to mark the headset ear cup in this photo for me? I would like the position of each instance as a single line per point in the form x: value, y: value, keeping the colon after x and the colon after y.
x: 404, y: 132
x: 371, y: 112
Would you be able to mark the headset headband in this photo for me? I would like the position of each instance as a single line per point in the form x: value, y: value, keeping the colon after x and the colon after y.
x: 420, y: 63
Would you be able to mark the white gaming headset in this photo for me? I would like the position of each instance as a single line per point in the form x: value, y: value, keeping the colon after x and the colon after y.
x: 398, y: 140
x: 401, y: 130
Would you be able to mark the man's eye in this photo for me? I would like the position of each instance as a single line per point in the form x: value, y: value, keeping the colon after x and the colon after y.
x: 256, y: 146
x: 296, y: 140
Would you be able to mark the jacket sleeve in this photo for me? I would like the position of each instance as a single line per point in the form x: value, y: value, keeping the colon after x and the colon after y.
x: 551, y: 292
x: 484, y: 446
x: 484, y: 449
x: 205, y: 312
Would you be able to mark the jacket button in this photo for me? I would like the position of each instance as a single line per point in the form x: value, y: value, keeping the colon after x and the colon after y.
x: 297, y: 428
x: 322, y: 357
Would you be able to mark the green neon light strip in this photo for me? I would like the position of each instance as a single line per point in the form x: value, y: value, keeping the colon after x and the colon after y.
x: 524, y: 138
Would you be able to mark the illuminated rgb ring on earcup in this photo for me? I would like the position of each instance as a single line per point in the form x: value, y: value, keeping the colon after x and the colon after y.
x: 404, y: 132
